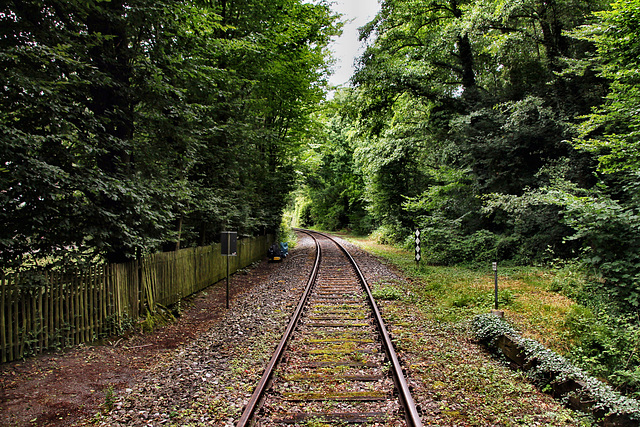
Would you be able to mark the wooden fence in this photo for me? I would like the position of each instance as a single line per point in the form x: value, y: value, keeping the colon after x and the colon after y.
x: 43, y: 310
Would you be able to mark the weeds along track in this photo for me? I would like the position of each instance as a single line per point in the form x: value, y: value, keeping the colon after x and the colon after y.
x: 335, y: 364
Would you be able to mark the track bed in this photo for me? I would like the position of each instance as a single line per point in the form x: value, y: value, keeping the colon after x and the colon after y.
x: 335, y: 364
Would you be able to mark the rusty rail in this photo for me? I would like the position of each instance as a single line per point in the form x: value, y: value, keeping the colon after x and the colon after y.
x: 406, y: 401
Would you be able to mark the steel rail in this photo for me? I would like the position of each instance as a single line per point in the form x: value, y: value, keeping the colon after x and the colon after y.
x: 411, y: 412
x: 254, y: 401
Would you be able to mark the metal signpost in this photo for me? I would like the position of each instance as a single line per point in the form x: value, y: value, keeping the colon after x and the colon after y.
x: 418, y: 247
x: 229, y: 247
x: 495, y: 311
x: 495, y: 271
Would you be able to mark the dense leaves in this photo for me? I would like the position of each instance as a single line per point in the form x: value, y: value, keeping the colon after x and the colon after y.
x: 505, y: 131
x: 456, y: 100
x: 465, y: 118
x: 128, y: 126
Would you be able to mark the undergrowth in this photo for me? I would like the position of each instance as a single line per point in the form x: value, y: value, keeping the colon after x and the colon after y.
x: 552, y: 305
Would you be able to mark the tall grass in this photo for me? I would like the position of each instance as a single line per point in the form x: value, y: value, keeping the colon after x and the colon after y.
x: 455, y: 294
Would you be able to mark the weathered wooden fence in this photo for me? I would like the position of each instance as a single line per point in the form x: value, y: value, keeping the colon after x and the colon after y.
x: 42, y: 310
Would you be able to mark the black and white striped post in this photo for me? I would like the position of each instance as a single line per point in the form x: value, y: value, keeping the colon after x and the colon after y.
x: 418, y: 247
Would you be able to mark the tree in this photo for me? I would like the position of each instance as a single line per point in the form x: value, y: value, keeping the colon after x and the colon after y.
x: 612, y: 130
x: 331, y: 181
x: 131, y: 125
x: 606, y: 219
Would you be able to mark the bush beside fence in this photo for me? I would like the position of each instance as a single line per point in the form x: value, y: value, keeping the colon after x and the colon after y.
x: 44, y: 310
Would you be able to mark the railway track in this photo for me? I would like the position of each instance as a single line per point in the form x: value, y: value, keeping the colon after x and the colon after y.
x: 335, y: 364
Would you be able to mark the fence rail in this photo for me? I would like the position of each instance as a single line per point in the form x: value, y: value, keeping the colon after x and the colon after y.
x: 43, y: 310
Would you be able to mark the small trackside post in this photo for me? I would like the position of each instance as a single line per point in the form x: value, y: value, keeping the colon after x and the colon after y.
x: 228, y: 247
x: 496, y: 310
x: 417, y: 240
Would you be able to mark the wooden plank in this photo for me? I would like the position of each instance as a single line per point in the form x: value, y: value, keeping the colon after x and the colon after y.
x: 62, y: 307
x: 55, y: 308
x: 81, y: 307
x: 120, y: 289
x: 13, y: 304
x: 47, y: 307
x: 98, y: 300
x: 67, y: 307
x: 114, y: 299
x: 136, y: 290
x: 52, y: 330
x: 109, y: 302
x: 95, y: 309
x: 21, y: 332
x: 90, y: 304
x: 334, y: 417
x: 85, y: 305
x: 369, y: 396
x: 32, y: 328
x: 72, y: 309
x: 78, y: 307
x: 93, y: 296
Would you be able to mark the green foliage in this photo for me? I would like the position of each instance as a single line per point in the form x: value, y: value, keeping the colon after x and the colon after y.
x: 609, y: 231
x: 129, y: 128
x: 571, y: 279
x: 387, y: 292
x: 549, y: 367
x: 607, y: 221
x: 286, y: 234
x: 390, y: 234
x: 612, y: 129
x: 445, y: 215
x: 333, y: 186
x: 607, y: 345
x: 483, y: 299
x: 460, y: 100
x: 450, y: 246
x: 109, y: 398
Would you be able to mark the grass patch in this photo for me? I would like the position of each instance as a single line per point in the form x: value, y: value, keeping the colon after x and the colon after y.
x: 455, y: 294
x: 429, y: 320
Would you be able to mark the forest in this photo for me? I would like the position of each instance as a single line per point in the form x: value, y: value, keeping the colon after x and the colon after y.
x: 130, y: 127
x: 503, y: 130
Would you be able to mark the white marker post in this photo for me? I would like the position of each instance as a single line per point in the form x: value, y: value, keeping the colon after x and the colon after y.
x: 495, y: 311
x: 417, y: 247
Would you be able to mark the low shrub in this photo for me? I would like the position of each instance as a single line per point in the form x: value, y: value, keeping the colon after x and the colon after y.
x: 607, y: 345
x: 389, y: 234
x: 450, y: 246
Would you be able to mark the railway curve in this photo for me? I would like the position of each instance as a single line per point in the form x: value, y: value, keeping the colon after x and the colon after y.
x: 335, y: 362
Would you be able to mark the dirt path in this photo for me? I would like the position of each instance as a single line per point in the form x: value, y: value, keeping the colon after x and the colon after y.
x: 59, y: 389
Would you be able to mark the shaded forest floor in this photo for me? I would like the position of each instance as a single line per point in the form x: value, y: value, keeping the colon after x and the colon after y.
x: 61, y: 388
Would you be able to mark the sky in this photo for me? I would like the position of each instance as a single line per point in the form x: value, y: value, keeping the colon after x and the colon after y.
x: 347, y: 47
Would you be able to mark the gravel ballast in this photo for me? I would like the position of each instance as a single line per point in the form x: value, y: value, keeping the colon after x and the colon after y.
x: 209, y: 377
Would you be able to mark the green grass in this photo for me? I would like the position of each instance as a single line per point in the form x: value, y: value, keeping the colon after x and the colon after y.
x: 429, y: 319
x: 455, y: 294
